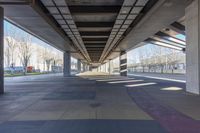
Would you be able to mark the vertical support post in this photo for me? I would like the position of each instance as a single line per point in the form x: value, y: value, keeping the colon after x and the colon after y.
x: 109, y: 67
x: 90, y: 67
x: 86, y: 67
x: 79, y: 65
x: 123, y: 63
x: 83, y: 66
x: 1, y: 51
x: 193, y: 47
x: 67, y: 64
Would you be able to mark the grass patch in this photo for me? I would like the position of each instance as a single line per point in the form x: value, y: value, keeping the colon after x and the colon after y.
x: 21, y: 74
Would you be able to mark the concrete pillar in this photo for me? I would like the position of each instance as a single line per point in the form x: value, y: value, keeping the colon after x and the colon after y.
x: 123, y: 63
x: 79, y: 65
x: 109, y: 67
x: 90, y: 67
x: 83, y: 65
x: 193, y: 47
x: 67, y: 64
x: 1, y: 52
x: 86, y: 67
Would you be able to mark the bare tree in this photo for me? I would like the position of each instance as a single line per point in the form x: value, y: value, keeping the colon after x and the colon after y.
x: 47, y: 57
x: 57, y: 59
x: 10, y: 47
x: 25, y: 51
x: 42, y: 55
x: 173, y: 59
x: 38, y: 56
x: 133, y: 64
x: 142, y: 59
x: 159, y: 57
x: 48, y: 63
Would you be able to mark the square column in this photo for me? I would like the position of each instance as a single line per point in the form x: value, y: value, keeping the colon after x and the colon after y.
x: 193, y: 47
x: 90, y: 67
x: 109, y: 67
x: 123, y: 63
x: 1, y: 51
x: 84, y: 69
x: 67, y: 64
x: 79, y: 65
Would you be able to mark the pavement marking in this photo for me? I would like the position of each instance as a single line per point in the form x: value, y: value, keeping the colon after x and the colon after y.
x: 125, y: 81
x: 152, y: 77
x: 116, y: 79
x: 143, y: 84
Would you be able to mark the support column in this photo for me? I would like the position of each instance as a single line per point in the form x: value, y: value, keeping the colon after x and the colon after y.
x: 109, y: 67
x: 79, y: 65
x: 193, y: 47
x: 123, y: 63
x: 90, y: 67
x: 1, y: 52
x: 85, y: 67
x: 67, y: 64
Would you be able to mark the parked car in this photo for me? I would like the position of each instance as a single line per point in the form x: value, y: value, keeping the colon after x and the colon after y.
x: 14, y: 70
x: 30, y: 69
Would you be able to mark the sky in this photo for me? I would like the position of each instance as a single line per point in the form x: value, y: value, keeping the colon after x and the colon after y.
x: 35, y: 40
x: 133, y: 55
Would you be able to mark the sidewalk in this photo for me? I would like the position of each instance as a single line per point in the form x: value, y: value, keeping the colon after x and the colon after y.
x: 167, y: 77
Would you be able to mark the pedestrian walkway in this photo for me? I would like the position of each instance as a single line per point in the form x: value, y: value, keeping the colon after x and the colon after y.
x: 97, y: 103
x: 160, y: 76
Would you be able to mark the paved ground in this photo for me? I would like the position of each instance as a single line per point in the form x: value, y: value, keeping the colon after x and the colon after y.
x: 97, y: 104
x: 168, y: 77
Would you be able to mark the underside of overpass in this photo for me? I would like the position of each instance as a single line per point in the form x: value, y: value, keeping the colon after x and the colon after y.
x: 95, y: 32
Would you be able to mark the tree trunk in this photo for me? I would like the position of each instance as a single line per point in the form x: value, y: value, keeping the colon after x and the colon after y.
x: 161, y: 69
x: 25, y: 70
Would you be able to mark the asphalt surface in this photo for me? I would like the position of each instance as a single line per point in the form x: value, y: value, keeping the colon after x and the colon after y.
x: 96, y: 103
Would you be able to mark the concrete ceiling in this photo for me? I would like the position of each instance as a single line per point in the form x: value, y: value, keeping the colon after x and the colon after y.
x: 95, y: 30
x: 164, y: 14
x: 94, y: 19
x: 88, y: 28
x: 30, y: 17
